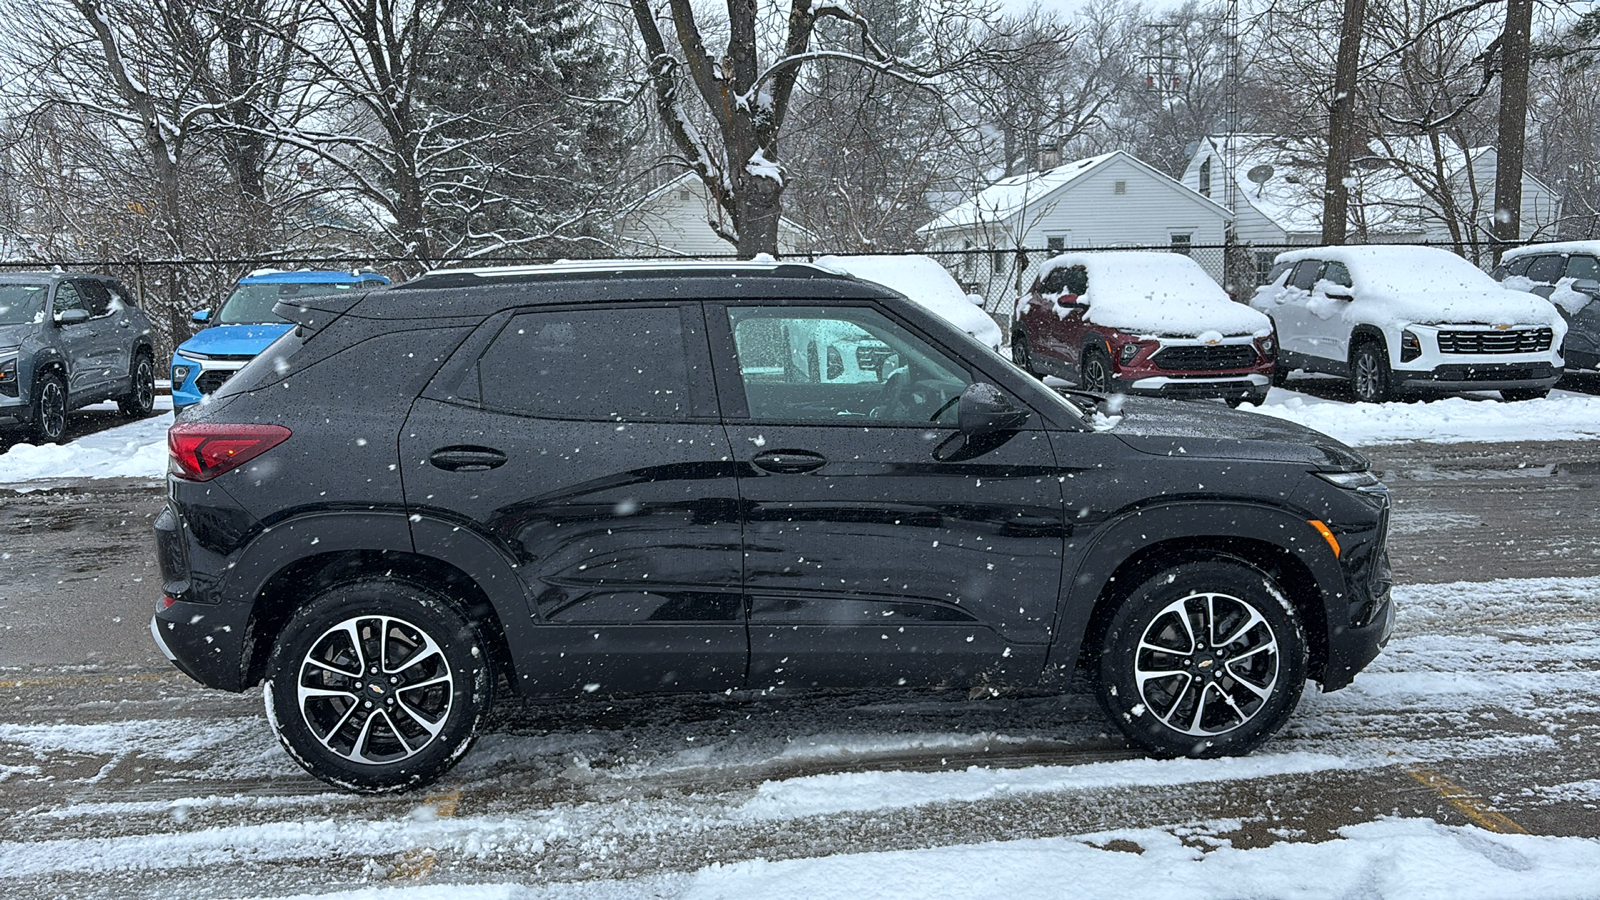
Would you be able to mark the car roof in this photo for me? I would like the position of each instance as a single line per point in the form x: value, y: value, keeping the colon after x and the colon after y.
x: 476, y: 292
x: 36, y: 277
x: 313, y: 276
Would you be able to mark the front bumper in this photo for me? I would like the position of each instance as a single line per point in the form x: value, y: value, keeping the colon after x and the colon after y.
x: 1225, y: 387
x: 1454, y: 377
x: 203, y: 376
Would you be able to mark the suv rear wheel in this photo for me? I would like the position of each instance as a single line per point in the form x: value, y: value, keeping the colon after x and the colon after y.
x: 1369, y: 373
x: 378, y: 685
x: 141, y: 397
x: 1022, y: 353
x: 1204, y: 659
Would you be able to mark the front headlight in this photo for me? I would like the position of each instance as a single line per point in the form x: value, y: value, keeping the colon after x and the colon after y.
x: 180, y: 374
x: 1410, y: 346
x: 1353, y: 481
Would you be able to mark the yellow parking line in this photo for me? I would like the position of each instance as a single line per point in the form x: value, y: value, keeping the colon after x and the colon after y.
x: 82, y: 680
x: 1482, y: 814
x: 417, y: 864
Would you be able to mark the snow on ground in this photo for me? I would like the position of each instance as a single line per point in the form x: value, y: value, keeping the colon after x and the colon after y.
x: 138, y: 450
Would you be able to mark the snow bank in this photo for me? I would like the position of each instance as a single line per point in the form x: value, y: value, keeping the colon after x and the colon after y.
x: 1562, y: 416
x: 135, y: 450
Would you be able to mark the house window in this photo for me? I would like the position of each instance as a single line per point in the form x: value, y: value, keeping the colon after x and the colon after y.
x: 1119, y: 188
x: 1056, y: 243
x: 684, y: 195
x: 1182, y: 241
x: 1264, y: 266
x: 1205, y: 177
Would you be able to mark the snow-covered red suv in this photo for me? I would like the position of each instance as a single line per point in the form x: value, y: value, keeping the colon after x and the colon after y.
x: 1142, y: 322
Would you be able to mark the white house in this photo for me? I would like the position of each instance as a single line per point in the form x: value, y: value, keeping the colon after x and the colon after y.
x: 1396, y: 194
x: 674, y: 220
x: 1111, y: 200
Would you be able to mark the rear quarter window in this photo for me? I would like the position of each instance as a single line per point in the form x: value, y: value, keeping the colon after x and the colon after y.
x: 613, y: 363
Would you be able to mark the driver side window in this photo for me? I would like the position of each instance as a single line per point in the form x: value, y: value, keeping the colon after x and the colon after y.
x: 841, y: 365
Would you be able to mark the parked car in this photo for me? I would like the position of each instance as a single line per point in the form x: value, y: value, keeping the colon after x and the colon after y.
x: 246, y: 324
x: 1399, y: 320
x: 929, y: 284
x: 505, y: 494
x: 69, y: 339
x: 1568, y: 275
x: 1142, y: 322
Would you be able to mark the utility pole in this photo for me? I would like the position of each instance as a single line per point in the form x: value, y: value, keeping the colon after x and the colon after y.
x: 1341, y: 124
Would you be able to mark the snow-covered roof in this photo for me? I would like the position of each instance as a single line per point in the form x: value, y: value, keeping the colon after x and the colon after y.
x: 1012, y: 196
x: 1566, y: 247
x: 1382, y: 195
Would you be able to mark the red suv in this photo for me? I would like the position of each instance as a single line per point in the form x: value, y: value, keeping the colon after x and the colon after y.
x: 1142, y: 323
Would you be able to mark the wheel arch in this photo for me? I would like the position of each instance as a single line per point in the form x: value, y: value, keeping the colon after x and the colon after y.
x: 292, y: 586
x: 1275, y: 542
x: 1365, y: 334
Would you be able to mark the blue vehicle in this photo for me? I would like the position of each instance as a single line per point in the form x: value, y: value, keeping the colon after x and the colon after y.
x: 245, y: 325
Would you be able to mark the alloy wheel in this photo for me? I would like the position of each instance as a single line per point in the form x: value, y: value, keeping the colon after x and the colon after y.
x: 375, y: 689
x: 1206, y: 664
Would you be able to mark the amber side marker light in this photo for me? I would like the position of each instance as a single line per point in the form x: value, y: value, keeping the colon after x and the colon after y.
x: 1326, y: 535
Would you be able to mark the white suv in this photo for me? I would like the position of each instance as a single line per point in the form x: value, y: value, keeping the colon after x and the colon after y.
x: 1400, y: 320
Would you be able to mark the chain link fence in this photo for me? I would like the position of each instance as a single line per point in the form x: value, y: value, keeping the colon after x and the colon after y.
x: 172, y: 290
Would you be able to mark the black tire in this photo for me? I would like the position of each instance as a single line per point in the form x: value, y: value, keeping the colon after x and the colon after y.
x: 1022, y: 353
x: 140, y: 400
x: 49, y: 409
x: 1249, y: 685
x: 1370, y: 378
x: 1516, y: 395
x: 402, y: 731
x: 1094, y: 372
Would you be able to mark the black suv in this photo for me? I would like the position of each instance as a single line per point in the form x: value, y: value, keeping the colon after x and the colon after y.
x: 67, y: 340
x: 622, y: 478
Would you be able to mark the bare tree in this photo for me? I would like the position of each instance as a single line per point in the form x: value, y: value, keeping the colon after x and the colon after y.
x: 1341, y: 123
x: 1516, y: 56
x: 745, y: 93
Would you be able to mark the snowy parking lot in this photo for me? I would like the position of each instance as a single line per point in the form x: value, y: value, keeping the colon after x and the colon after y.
x: 1462, y: 764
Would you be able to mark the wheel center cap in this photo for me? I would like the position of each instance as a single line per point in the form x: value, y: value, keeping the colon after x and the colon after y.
x: 376, y: 690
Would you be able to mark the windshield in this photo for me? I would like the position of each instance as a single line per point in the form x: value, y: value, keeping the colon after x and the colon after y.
x: 20, y: 303
x: 251, y: 304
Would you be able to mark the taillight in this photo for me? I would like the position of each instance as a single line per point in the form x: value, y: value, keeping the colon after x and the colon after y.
x: 202, y: 450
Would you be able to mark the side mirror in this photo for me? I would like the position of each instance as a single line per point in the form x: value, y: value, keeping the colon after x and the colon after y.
x: 1339, y: 295
x: 72, y: 316
x: 1588, y: 286
x: 201, y: 315
x: 984, y: 409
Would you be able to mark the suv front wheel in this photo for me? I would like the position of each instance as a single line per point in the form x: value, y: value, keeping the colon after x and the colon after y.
x: 378, y: 685
x: 1370, y: 379
x: 1204, y: 659
x: 50, y: 409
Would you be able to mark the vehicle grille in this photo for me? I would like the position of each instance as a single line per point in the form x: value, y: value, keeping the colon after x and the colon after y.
x: 1525, y: 340
x: 1202, y: 358
x: 210, y: 380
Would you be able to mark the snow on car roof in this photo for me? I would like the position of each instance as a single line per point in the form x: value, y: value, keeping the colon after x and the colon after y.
x: 1155, y: 292
x: 1567, y: 247
x: 924, y: 281
x: 1400, y: 268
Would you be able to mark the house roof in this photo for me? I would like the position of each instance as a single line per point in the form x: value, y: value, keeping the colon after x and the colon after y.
x: 1012, y: 197
x: 1381, y: 191
x: 692, y: 181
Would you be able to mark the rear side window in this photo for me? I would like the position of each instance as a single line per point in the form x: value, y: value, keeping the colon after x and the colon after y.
x: 1305, y: 274
x: 1579, y: 267
x: 1547, y: 269
x: 612, y: 363
x: 1276, y: 272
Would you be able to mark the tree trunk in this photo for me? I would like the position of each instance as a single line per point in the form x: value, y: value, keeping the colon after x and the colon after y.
x: 1341, y: 124
x: 1514, y: 47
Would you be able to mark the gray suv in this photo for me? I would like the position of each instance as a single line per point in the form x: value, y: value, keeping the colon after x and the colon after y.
x: 69, y: 339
